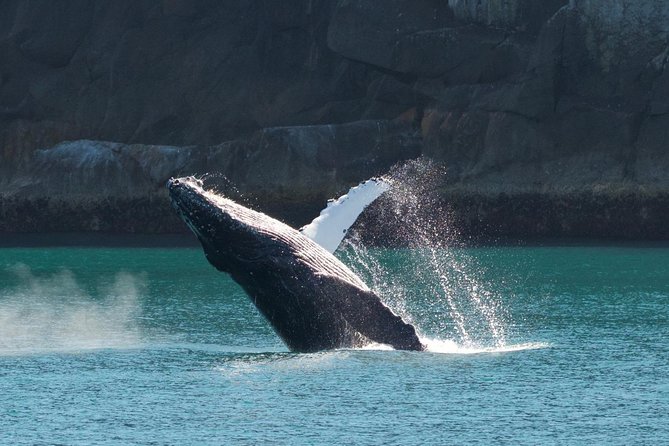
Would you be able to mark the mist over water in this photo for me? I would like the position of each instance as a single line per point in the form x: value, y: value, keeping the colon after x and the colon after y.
x: 56, y: 313
x: 433, y: 277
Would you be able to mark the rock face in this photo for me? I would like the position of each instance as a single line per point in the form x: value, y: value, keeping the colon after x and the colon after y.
x: 175, y: 72
x: 552, y: 117
x: 512, y: 15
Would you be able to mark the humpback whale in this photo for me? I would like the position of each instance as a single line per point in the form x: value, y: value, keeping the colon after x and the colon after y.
x: 312, y: 300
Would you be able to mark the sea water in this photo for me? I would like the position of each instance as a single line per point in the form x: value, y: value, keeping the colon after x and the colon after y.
x: 527, y: 345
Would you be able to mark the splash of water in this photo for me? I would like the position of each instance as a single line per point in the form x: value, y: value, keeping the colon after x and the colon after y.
x: 450, y: 299
x: 448, y: 346
x: 451, y: 347
x: 55, y: 313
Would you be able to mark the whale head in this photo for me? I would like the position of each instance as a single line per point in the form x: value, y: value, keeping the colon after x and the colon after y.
x: 194, y: 207
x: 230, y: 233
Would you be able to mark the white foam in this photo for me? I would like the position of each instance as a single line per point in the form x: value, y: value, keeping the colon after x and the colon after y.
x: 377, y: 346
x: 329, y: 228
x: 451, y: 347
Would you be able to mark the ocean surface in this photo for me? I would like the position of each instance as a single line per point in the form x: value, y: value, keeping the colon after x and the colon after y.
x: 527, y: 345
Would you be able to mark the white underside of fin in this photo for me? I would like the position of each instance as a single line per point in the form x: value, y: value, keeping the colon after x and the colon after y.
x: 330, y: 227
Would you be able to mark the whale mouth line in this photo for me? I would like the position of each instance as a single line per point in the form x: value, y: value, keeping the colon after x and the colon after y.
x: 184, y: 192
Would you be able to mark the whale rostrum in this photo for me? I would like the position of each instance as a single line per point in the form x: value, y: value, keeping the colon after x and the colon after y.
x: 312, y: 300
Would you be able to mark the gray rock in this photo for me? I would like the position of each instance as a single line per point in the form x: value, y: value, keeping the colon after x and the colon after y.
x: 289, y: 172
x: 562, y: 101
x: 518, y: 15
x: 169, y: 72
x: 363, y: 31
x: 419, y: 38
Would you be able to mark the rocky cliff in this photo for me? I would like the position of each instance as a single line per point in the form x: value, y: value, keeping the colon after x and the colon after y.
x: 552, y: 117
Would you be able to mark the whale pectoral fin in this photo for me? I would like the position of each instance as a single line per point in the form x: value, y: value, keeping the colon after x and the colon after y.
x: 365, y: 312
x: 332, y: 224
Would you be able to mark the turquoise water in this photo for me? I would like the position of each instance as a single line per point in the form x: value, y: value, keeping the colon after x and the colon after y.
x: 561, y: 345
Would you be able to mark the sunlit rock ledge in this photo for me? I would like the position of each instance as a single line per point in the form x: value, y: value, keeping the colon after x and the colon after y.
x: 289, y: 172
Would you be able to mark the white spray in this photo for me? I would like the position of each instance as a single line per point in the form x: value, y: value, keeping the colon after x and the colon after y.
x: 55, y: 313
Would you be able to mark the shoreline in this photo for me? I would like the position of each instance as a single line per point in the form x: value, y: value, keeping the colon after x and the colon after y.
x: 187, y: 240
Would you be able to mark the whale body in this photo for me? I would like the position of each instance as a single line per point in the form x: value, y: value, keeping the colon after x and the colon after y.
x: 312, y: 300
